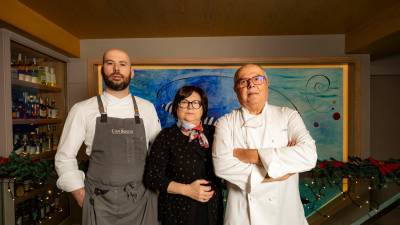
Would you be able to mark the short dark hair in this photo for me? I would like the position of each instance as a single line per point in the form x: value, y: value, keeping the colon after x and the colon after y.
x: 185, y: 92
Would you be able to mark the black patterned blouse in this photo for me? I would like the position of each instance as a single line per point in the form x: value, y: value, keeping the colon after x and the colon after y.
x: 173, y: 158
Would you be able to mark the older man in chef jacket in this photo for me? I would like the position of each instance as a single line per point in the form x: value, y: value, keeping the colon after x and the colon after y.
x: 260, y: 149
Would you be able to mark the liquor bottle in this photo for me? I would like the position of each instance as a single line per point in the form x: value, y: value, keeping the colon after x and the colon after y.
x: 17, y: 142
x: 45, y: 141
x: 53, y: 136
x: 54, y: 114
x: 41, y: 143
x: 52, y: 77
x: 35, y: 72
x: 26, y: 213
x: 18, y: 215
x: 48, y: 75
x: 14, y: 69
x: 20, y: 66
x: 25, y: 142
x: 28, y: 106
x: 37, y: 142
x: 42, y: 75
x: 14, y: 110
x: 35, y: 212
x: 35, y: 107
x: 28, y: 77
x: 57, y: 206
x: 47, y: 105
x: 42, y: 207
x: 32, y: 143
x: 23, y: 113
x: 49, y: 135
x: 43, y: 109
x: 47, y: 205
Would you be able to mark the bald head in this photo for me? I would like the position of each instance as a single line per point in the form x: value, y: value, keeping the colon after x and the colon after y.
x: 115, y: 51
x: 248, y: 66
x: 251, y: 87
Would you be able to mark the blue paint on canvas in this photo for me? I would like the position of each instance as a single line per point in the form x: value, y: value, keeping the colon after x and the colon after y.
x: 316, y: 93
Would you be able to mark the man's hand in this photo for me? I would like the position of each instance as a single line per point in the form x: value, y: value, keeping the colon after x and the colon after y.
x: 247, y: 155
x: 251, y: 155
x: 284, y: 177
x: 291, y: 143
x: 79, y: 196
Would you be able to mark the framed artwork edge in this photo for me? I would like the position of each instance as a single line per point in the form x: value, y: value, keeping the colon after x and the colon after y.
x: 352, y: 82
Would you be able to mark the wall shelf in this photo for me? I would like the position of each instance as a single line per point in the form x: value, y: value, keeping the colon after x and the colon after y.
x: 35, y: 121
x: 39, y: 87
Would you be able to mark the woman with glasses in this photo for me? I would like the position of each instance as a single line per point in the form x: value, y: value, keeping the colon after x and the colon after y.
x: 180, y: 165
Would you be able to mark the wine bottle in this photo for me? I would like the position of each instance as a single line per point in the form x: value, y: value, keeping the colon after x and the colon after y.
x: 35, y: 72
x: 28, y: 77
x: 20, y: 66
x: 18, y: 215
x: 43, y: 109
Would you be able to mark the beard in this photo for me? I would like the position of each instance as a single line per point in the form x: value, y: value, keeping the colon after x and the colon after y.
x: 116, y: 86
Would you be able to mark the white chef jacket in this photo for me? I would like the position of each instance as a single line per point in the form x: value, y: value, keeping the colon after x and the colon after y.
x: 251, y: 202
x: 80, y: 127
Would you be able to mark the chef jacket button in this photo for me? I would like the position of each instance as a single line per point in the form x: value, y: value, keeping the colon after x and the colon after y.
x: 270, y: 199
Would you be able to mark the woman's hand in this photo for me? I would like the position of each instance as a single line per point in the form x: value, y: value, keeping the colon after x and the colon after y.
x: 199, y: 190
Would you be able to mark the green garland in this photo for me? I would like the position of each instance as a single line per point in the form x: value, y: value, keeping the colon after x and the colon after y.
x: 22, y: 168
x: 330, y: 174
x: 379, y: 173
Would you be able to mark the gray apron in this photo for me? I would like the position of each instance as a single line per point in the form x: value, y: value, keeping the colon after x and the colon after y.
x: 114, y: 189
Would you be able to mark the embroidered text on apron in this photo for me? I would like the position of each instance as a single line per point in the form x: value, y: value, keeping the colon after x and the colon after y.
x: 114, y: 190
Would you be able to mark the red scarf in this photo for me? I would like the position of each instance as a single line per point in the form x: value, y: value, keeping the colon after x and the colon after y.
x: 195, y: 132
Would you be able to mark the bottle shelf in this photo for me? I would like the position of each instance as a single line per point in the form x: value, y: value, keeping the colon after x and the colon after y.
x: 40, y: 87
x: 33, y: 193
x: 44, y: 155
x: 55, y: 218
x: 35, y: 121
x: 36, y: 110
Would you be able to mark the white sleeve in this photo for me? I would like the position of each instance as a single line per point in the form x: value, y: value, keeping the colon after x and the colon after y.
x: 154, y: 126
x: 225, y: 165
x: 66, y: 165
x: 295, y: 159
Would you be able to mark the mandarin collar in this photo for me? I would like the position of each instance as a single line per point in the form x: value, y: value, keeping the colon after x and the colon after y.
x: 112, y: 100
x: 248, y: 115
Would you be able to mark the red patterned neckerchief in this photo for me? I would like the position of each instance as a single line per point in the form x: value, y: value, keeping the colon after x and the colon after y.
x: 195, y: 132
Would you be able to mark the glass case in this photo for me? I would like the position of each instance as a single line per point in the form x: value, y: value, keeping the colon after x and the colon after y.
x: 34, y: 104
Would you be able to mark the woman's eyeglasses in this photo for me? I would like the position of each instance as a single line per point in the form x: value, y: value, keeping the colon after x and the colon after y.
x: 196, y: 104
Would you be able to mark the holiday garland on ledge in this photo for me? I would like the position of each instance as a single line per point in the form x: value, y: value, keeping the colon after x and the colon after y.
x: 330, y: 173
x: 327, y: 173
x: 22, y: 170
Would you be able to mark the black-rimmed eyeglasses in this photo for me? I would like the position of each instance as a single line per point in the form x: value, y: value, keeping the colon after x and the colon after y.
x: 196, y: 104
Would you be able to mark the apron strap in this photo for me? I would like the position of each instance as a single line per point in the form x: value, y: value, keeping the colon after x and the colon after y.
x: 137, y: 119
x: 103, y: 113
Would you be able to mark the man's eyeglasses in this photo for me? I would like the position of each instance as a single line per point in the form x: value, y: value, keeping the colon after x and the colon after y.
x: 257, y: 80
x: 196, y: 104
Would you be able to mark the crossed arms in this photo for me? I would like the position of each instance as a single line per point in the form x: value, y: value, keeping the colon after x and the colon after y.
x: 237, y: 164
